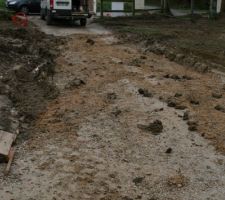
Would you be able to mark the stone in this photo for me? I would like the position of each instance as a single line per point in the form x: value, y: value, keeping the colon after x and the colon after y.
x: 192, y: 125
x: 75, y: 83
x: 145, y: 92
x: 186, y: 116
x: 178, y: 95
x: 217, y: 95
x: 111, y: 96
x: 194, y: 102
x: 171, y: 103
x: 180, y: 56
x: 155, y: 127
x: 138, y: 180
x: 90, y: 41
x: 169, y: 150
x: 220, y: 108
x: 180, y: 107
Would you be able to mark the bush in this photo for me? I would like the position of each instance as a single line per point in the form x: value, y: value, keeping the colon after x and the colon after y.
x: 4, y: 15
x: 2, y: 4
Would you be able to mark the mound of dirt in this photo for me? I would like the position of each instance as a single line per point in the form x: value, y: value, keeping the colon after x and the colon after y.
x: 26, y: 62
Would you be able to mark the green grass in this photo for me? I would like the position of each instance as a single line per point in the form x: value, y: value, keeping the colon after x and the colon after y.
x: 181, y: 4
x: 4, y: 13
x: 2, y: 4
x: 107, y: 5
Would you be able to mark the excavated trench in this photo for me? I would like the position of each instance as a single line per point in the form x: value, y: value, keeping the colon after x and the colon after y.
x: 26, y: 62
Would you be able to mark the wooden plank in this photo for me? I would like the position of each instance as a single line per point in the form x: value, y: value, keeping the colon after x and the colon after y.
x: 6, y: 140
x: 10, y: 159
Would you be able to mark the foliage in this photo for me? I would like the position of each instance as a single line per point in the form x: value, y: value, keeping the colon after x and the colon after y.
x: 2, y: 4
x: 199, y: 4
x: 107, y: 5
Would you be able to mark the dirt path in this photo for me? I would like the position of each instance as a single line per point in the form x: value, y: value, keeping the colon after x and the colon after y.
x: 89, y: 144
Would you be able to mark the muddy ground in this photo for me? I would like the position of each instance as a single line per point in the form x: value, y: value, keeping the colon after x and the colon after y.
x: 197, y: 42
x: 127, y: 124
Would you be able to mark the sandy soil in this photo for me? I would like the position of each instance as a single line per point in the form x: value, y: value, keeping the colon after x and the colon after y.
x: 90, y: 142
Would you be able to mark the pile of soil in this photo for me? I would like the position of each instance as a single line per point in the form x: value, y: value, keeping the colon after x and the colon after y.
x: 26, y: 62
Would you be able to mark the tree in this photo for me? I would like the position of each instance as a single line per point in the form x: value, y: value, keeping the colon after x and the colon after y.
x: 165, y: 6
x: 223, y: 6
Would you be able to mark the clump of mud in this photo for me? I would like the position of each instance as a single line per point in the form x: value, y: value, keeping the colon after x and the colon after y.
x: 26, y: 67
x: 156, y: 127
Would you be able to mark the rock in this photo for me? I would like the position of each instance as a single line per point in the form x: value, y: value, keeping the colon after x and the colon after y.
x: 192, y: 125
x: 112, y: 175
x: 167, y: 76
x: 220, y: 108
x: 189, y: 60
x: 158, y: 109
x: 171, y: 103
x: 180, y: 56
x: 145, y: 92
x: 111, y: 96
x: 169, y: 150
x: 177, y: 77
x: 178, y: 180
x: 138, y: 180
x: 152, y: 76
x: 116, y: 112
x: 155, y: 127
x: 180, y: 107
x: 217, y: 95
x: 75, y: 83
x: 90, y: 41
x: 202, y: 68
x: 194, y: 102
x: 186, y: 116
x: 224, y: 87
x: 117, y: 61
x: 4, y: 89
x: 171, y: 56
x: 143, y: 57
x: 136, y: 62
x: 126, y: 198
x: 186, y: 77
x: 192, y: 128
x: 178, y: 95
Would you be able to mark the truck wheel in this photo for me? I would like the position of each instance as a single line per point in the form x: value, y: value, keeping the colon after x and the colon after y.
x: 49, y: 19
x: 42, y: 15
x: 83, y: 22
x: 25, y: 10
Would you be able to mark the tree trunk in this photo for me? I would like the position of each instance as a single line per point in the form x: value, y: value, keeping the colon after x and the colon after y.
x: 223, y: 6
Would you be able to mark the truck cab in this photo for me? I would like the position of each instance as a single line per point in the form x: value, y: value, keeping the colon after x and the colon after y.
x: 65, y: 9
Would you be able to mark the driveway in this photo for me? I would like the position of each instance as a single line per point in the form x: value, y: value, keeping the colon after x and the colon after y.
x: 64, y: 28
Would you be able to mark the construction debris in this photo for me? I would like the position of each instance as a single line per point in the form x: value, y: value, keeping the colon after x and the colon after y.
x: 6, y: 149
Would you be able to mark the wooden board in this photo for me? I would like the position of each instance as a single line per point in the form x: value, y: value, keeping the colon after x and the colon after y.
x: 10, y: 158
x: 6, y: 140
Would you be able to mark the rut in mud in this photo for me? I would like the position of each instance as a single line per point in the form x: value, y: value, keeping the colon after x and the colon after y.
x: 123, y: 127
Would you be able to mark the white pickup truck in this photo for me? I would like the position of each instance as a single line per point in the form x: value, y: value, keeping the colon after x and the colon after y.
x: 65, y: 9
